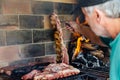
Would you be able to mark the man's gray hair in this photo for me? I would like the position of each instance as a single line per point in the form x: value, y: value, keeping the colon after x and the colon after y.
x: 110, y: 8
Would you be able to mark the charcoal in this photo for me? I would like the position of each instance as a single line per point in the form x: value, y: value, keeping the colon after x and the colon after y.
x: 105, y: 69
x: 107, y: 64
x: 81, y: 59
x: 90, y: 57
x: 101, y: 63
x: 86, y: 77
x: 71, y: 50
x: 5, y: 77
x: 77, y: 65
x: 74, y: 77
x: 90, y: 64
x: 19, y: 72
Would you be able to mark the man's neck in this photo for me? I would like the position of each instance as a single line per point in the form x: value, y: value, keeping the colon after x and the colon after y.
x: 113, y: 26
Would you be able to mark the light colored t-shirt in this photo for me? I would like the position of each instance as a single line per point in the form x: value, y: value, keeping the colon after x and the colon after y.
x: 115, y: 59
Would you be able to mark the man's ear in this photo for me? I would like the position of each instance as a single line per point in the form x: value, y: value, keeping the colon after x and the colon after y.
x: 99, y: 16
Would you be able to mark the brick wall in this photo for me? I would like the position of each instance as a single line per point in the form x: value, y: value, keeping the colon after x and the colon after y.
x: 24, y: 28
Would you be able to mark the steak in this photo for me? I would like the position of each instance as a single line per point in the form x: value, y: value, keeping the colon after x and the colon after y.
x: 51, y: 72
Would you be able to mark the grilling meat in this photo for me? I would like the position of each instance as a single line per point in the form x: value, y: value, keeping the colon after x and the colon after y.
x: 61, y: 50
x: 30, y: 75
x: 51, y: 72
x: 55, y: 71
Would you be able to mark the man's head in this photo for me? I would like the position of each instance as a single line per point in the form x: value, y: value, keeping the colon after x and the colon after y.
x: 98, y: 15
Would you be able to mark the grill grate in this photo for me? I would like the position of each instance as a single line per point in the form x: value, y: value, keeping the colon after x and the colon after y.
x: 19, y: 72
x: 85, y: 74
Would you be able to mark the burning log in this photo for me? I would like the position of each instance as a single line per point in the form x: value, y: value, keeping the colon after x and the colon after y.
x: 98, y: 53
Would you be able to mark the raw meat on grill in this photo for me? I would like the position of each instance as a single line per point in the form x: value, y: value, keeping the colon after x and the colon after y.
x: 30, y: 75
x: 52, y: 71
x: 55, y: 71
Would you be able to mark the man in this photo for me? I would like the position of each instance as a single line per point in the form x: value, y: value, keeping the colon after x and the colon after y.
x: 103, y: 16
